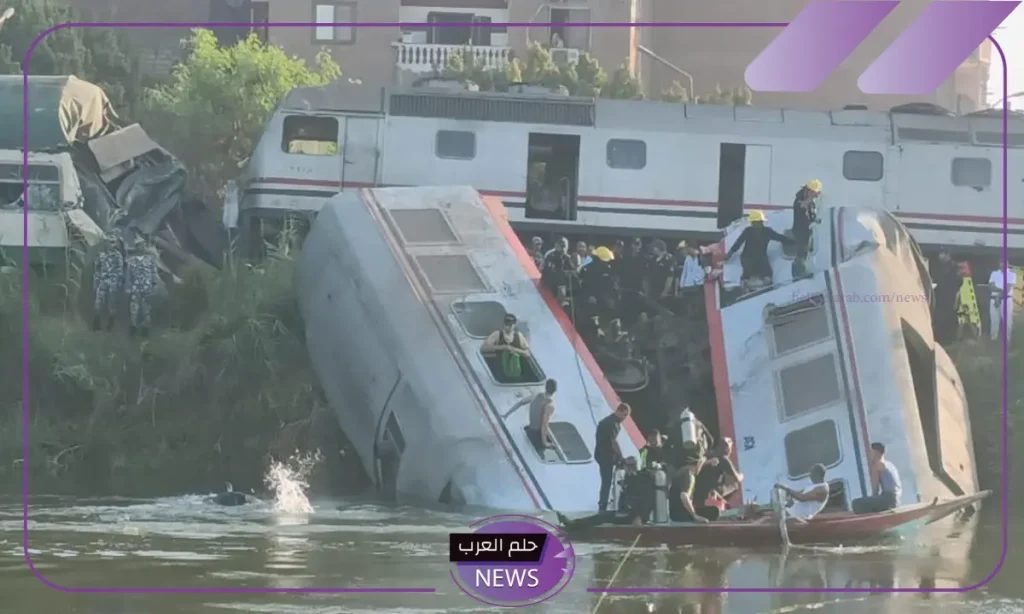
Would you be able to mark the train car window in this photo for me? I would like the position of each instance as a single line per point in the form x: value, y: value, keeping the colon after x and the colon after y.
x: 863, y: 166
x: 971, y: 172
x: 806, y: 447
x: 455, y: 145
x: 310, y: 135
x: 570, y: 444
x: 800, y: 325
x: 626, y: 154
x: 809, y: 385
x: 479, y: 318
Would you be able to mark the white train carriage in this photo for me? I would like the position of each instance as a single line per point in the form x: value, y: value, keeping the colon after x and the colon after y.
x: 398, y: 289
x: 815, y: 370
x: 587, y: 166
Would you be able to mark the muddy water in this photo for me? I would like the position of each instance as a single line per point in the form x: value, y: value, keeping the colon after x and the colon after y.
x: 185, y: 542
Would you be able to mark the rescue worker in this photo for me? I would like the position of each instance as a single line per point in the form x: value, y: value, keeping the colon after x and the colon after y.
x: 1000, y: 293
x: 107, y: 280
x: 718, y: 477
x: 509, y: 346
x: 536, y: 252
x: 542, y: 407
x: 805, y: 213
x: 947, y: 287
x: 968, y: 318
x: 886, y: 486
x: 140, y: 282
x: 652, y: 453
x: 681, y: 504
x: 558, y: 270
x: 635, y: 504
x: 607, y: 452
x: 597, y: 283
x: 754, y: 242
x: 632, y: 273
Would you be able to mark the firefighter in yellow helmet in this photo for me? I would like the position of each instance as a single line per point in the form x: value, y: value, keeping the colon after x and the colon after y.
x: 597, y: 281
x: 805, y: 213
x: 754, y: 242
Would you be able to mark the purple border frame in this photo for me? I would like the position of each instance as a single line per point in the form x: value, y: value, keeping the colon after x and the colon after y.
x: 25, y: 324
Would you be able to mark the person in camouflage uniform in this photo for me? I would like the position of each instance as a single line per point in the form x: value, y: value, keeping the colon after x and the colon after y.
x: 140, y: 283
x: 107, y: 278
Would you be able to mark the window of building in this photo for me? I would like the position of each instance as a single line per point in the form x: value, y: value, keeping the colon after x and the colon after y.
x: 863, y: 166
x: 811, y: 445
x: 310, y: 135
x: 451, y: 35
x: 479, y: 318
x: 972, y: 172
x: 626, y: 154
x: 800, y: 325
x: 334, y: 16
x: 809, y: 385
x: 455, y: 145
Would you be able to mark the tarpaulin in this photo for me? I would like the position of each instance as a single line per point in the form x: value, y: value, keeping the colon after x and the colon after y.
x: 62, y: 110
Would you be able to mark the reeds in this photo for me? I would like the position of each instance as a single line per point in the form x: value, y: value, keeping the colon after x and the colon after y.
x: 223, y: 381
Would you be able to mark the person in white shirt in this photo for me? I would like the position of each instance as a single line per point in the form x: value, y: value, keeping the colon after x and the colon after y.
x: 997, y: 296
x: 692, y: 272
x: 809, y: 502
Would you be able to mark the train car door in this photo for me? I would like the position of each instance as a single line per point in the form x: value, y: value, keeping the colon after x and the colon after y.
x: 552, y: 176
x: 744, y: 178
x: 359, y: 152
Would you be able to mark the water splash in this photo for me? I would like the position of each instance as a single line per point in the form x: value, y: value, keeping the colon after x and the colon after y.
x: 288, y: 482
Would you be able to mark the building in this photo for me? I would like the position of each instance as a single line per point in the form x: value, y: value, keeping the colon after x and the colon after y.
x: 699, y: 59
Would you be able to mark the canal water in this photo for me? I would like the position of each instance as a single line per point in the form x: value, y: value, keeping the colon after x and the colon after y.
x: 293, y: 543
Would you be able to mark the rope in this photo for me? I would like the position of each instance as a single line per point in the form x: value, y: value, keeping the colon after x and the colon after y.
x: 611, y: 581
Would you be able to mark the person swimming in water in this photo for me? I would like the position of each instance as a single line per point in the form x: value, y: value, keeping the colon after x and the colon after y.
x: 231, y: 498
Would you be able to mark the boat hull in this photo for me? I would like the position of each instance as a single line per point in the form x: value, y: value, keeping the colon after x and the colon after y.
x: 839, y: 528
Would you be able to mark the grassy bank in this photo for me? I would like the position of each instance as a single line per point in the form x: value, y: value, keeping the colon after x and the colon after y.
x: 980, y: 364
x: 222, y: 383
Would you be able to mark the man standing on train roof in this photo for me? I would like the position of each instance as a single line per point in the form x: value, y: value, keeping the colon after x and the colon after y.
x: 1001, y: 292
x: 510, y: 347
x: 754, y: 242
x: 607, y: 452
x: 886, y: 486
x: 140, y: 281
x: 805, y: 213
x: 107, y: 279
x: 542, y: 407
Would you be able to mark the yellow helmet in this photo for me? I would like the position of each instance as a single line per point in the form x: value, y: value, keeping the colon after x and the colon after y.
x: 813, y: 185
x: 604, y: 254
x: 682, y: 244
x: 755, y: 216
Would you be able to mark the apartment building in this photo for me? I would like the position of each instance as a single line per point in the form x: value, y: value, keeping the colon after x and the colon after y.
x: 698, y: 58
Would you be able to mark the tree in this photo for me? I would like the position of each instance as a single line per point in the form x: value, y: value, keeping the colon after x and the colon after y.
x: 99, y: 55
x: 218, y: 100
x: 740, y: 97
x: 584, y: 77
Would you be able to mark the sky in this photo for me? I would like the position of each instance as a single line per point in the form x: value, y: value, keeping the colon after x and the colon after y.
x: 1011, y: 38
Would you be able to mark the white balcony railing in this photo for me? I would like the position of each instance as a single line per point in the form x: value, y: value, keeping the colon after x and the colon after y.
x: 417, y: 57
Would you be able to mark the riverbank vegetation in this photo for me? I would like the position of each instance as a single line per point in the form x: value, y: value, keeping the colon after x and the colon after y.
x: 221, y: 386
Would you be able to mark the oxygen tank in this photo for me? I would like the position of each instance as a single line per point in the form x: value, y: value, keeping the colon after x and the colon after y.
x: 660, y: 494
x: 688, y: 430
x: 615, y: 496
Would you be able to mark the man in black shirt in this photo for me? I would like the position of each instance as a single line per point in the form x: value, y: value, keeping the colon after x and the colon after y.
x: 558, y: 268
x: 662, y: 271
x: 635, y: 505
x: 718, y: 477
x: 681, y: 504
x: 607, y: 452
x: 632, y: 272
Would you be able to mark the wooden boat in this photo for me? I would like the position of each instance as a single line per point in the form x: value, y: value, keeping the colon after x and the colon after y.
x: 833, y: 528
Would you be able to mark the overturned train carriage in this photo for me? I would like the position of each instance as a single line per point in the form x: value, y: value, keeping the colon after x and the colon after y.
x: 814, y: 370
x: 399, y: 288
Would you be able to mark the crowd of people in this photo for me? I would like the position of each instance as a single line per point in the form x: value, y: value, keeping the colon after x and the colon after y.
x: 124, y: 271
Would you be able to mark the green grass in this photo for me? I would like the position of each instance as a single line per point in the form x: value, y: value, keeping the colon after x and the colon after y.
x: 222, y: 383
